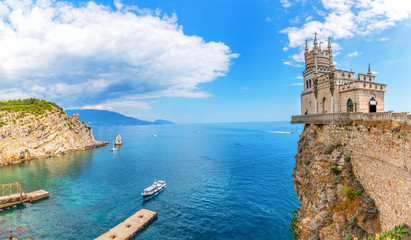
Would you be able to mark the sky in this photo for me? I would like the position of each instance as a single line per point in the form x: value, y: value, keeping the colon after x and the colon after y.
x: 195, y: 61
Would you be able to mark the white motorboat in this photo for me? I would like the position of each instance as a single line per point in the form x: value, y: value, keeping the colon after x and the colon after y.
x: 154, y: 189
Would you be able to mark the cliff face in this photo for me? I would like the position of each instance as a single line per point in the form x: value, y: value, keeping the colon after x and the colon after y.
x: 352, y: 179
x: 28, y: 136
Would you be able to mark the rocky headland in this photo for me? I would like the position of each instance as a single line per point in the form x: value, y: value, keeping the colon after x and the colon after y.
x: 33, y: 128
x: 352, y: 180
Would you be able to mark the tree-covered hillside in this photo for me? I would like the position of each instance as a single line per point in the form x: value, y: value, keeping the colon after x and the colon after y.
x: 31, y: 105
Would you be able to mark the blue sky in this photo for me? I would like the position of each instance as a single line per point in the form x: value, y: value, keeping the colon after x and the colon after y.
x: 195, y: 61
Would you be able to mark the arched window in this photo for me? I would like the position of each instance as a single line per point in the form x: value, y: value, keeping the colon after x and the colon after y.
x: 324, y: 105
x: 350, y: 106
x: 373, y: 105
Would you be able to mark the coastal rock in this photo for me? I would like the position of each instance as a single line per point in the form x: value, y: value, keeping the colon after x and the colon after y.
x: 357, y: 173
x: 26, y: 136
x: 321, y: 179
x: 118, y: 140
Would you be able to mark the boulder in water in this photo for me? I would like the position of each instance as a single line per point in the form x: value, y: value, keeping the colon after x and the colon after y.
x: 118, y: 140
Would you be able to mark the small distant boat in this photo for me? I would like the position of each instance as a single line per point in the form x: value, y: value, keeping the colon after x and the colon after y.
x: 154, y: 189
x: 198, y: 132
x: 113, y: 149
x: 154, y: 135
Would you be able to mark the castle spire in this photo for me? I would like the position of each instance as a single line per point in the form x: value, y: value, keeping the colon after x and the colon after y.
x: 329, y: 44
x: 369, y: 69
x: 331, y: 54
x: 306, y: 45
x: 315, y: 41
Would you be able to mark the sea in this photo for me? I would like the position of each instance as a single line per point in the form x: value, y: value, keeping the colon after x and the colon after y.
x: 224, y: 181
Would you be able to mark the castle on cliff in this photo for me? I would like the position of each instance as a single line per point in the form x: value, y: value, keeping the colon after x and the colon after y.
x: 330, y: 90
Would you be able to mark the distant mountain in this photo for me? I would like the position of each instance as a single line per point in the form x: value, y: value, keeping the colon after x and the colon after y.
x: 95, y: 117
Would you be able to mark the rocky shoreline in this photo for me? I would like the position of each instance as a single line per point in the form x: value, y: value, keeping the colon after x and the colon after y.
x: 28, y: 136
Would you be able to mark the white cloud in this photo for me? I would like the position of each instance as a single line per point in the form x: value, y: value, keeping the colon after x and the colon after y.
x: 268, y: 19
x: 285, y: 49
x: 354, y: 54
x: 383, y: 39
x: 285, y: 3
x: 299, y: 77
x: 92, y: 54
x: 118, y: 4
x: 347, y: 18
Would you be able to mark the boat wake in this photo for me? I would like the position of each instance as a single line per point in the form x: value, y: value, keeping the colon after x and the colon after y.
x: 280, y: 132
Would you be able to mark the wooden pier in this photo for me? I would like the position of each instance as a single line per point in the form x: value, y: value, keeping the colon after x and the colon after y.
x: 129, y: 227
x: 11, y: 194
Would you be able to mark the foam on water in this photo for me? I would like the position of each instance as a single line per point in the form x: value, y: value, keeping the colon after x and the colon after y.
x: 280, y: 132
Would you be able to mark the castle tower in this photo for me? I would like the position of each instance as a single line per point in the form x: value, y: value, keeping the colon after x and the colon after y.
x: 317, y: 62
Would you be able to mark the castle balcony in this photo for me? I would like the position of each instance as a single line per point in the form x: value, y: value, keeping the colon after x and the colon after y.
x: 341, y: 118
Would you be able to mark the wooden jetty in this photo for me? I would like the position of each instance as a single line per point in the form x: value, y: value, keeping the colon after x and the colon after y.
x: 11, y: 194
x: 129, y: 227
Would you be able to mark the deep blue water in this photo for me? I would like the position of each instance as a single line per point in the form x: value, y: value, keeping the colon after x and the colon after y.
x: 231, y: 181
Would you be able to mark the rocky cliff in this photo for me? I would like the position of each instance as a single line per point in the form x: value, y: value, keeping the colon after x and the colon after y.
x: 352, y: 180
x: 27, y: 132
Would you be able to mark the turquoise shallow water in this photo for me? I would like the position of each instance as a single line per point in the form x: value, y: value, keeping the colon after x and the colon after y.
x: 231, y: 181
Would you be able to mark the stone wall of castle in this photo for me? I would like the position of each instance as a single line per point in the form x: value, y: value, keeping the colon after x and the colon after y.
x: 326, y: 103
x: 362, y: 98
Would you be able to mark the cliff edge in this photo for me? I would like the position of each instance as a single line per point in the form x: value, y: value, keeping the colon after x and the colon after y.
x: 33, y: 128
x: 352, y: 180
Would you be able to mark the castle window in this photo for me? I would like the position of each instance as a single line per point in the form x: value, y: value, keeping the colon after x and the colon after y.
x: 324, y: 105
x: 350, y: 106
x: 373, y: 105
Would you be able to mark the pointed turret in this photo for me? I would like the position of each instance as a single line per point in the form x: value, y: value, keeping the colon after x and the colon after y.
x: 329, y: 44
x: 369, y: 69
x: 306, y: 45
x: 315, y: 41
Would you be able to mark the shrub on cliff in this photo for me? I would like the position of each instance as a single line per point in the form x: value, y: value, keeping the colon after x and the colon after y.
x: 401, y: 232
x: 328, y: 149
x: 294, y: 225
x: 350, y: 193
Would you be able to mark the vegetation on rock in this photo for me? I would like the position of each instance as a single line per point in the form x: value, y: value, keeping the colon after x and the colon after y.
x: 402, y: 232
x: 31, y: 105
x: 294, y: 225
